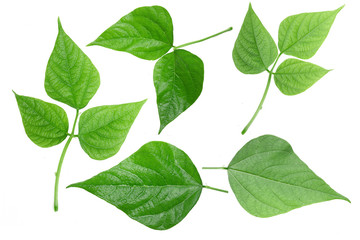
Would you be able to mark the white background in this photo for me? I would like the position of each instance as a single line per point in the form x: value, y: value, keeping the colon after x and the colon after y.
x: 322, y: 124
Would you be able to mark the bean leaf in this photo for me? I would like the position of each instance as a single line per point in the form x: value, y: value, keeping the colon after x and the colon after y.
x: 146, y: 32
x: 70, y: 76
x: 178, y: 80
x: 102, y: 130
x: 268, y: 179
x: 46, y: 124
x: 302, y: 35
x: 254, y: 49
x: 295, y: 76
x: 157, y: 186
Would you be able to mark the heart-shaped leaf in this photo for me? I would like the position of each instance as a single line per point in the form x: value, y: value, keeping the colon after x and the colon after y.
x: 102, y: 130
x: 46, y: 124
x: 157, y: 186
x: 295, y: 76
x: 302, y: 35
x: 146, y: 32
x: 178, y: 80
x: 70, y: 76
x: 268, y: 179
x: 254, y: 49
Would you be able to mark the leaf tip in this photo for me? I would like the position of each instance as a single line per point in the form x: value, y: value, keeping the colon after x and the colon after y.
x: 93, y: 43
x: 143, y: 101
x: 161, y: 128
x: 14, y: 92
x: 72, y: 185
x: 59, y: 24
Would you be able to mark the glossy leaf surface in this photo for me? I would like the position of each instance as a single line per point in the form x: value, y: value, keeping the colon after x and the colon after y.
x: 157, y: 185
x: 268, y: 178
x: 70, y: 76
x: 302, y: 35
x: 102, y: 130
x: 254, y: 49
x: 146, y: 32
x: 295, y: 76
x: 46, y: 124
x: 178, y: 80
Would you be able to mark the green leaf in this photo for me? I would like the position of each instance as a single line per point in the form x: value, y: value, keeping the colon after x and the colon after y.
x: 157, y: 186
x: 301, y: 35
x: 70, y: 76
x: 254, y: 49
x: 102, y: 130
x: 294, y: 76
x: 178, y: 80
x: 146, y: 32
x: 268, y: 179
x: 46, y: 124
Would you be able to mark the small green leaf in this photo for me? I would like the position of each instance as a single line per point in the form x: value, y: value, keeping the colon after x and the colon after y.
x: 157, y: 186
x: 178, y: 80
x: 146, y: 32
x: 268, y: 179
x: 102, y: 130
x: 254, y: 49
x: 70, y: 76
x: 294, y: 76
x: 302, y: 35
x: 46, y: 124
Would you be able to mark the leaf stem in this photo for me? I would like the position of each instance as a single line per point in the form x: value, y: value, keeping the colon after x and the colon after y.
x: 201, y: 40
x: 215, y: 168
x: 57, y: 174
x: 263, y: 97
x: 216, y: 189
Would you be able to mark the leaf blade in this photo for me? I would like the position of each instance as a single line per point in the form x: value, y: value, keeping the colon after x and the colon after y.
x: 294, y: 76
x: 255, y: 49
x: 103, y: 129
x: 302, y: 35
x: 178, y: 80
x: 146, y: 32
x: 46, y: 124
x: 70, y: 77
x: 268, y: 179
x: 157, y: 186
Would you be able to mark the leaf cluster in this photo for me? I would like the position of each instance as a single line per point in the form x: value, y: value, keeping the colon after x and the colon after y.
x: 299, y: 36
x: 147, y: 33
x: 158, y: 185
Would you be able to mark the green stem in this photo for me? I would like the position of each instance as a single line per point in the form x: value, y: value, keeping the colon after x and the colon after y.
x: 215, y: 168
x: 263, y: 97
x: 71, y: 136
x: 216, y: 189
x: 201, y: 40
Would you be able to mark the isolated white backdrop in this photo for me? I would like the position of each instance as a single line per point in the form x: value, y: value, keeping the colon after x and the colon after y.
x: 322, y: 124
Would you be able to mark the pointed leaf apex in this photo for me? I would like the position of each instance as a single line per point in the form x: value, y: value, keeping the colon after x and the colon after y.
x: 14, y: 92
x: 59, y: 24
x: 341, y: 7
x: 161, y: 128
x: 91, y: 44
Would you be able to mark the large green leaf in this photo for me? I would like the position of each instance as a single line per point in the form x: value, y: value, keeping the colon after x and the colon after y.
x: 157, y: 186
x: 102, y: 130
x: 178, y: 80
x: 295, y: 76
x: 70, y: 76
x: 268, y: 178
x: 146, y: 32
x: 46, y: 124
x: 254, y: 49
x: 301, y: 35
